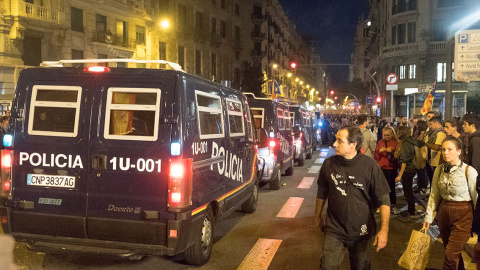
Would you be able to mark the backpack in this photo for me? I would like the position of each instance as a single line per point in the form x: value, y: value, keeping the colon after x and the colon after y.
x: 419, y: 159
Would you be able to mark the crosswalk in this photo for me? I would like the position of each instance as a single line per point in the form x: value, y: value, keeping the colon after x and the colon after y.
x: 261, y: 255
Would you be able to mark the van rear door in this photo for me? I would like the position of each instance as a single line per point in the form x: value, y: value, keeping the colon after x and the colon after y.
x: 129, y: 157
x: 51, y: 130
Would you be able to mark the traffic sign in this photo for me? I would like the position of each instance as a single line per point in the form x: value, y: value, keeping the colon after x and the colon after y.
x: 467, y: 55
x: 392, y: 87
x: 370, y: 99
x: 392, y: 78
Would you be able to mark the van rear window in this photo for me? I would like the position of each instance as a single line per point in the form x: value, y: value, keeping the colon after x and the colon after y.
x: 258, y: 117
x: 210, y: 116
x: 235, y: 118
x: 54, y: 110
x: 132, y: 114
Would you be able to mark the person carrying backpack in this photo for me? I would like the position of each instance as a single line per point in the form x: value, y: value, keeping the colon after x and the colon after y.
x: 405, y: 154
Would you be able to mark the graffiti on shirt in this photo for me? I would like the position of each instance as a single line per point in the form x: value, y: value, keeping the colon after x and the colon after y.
x: 363, y: 230
x: 334, y: 178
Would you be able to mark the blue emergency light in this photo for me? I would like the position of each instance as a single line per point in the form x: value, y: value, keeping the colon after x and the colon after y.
x: 175, y: 149
x: 7, y: 140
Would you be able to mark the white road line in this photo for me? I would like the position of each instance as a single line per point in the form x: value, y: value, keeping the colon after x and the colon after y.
x: 322, y: 160
x: 314, y: 169
x: 306, y: 182
x: 290, y: 208
x: 318, y: 160
x: 261, y: 255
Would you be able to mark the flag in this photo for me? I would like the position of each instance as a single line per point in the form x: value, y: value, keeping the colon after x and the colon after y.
x: 275, y: 88
x: 427, y: 106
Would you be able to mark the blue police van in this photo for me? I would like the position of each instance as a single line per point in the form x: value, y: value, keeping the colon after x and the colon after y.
x: 304, y: 137
x: 277, y: 157
x: 124, y: 161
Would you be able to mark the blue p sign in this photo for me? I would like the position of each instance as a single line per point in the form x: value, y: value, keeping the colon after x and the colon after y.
x: 463, y: 38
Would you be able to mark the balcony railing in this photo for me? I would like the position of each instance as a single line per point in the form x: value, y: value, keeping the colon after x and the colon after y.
x: 403, y: 49
x: 115, y: 40
x: 39, y: 13
x: 436, y: 46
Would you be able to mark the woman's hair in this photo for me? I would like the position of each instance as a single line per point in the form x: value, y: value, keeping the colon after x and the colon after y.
x: 455, y: 122
x: 422, y: 125
x: 403, y: 132
x: 388, y: 128
x: 455, y: 141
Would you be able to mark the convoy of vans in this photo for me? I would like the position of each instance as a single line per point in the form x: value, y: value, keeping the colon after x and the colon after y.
x: 135, y: 162
x: 304, y: 142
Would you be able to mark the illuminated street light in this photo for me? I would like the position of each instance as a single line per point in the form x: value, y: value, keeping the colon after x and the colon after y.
x: 165, y: 24
x: 297, y: 79
x: 301, y: 82
x: 308, y: 86
x: 275, y: 66
x: 316, y: 92
x: 289, y: 75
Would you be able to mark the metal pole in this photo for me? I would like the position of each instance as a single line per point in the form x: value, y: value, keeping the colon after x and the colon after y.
x: 465, y: 104
x: 392, y: 114
x: 448, y: 80
x: 408, y: 107
x: 414, y: 104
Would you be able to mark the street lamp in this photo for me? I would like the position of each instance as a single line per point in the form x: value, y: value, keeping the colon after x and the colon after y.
x: 165, y: 24
x: 289, y: 75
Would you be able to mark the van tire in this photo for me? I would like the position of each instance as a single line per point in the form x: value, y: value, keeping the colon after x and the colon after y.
x: 275, y: 182
x: 309, y: 155
x: 301, y: 160
x: 199, y: 253
x: 250, y: 205
x: 289, y: 171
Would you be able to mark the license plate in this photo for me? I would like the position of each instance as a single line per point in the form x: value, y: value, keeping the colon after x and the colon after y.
x: 51, y: 180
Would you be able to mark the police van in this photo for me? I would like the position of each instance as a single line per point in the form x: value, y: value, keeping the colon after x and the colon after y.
x: 303, y: 134
x: 125, y: 162
x: 277, y: 157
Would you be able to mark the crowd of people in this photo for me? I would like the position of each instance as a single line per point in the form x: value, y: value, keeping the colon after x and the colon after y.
x: 442, y: 158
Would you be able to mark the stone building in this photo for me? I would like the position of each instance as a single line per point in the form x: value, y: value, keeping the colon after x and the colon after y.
x: 407, y: 37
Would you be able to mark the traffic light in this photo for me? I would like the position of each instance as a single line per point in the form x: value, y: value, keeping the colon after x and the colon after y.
x: 335, y: 97
x: 319, y: 99
x: 293, y: 65
x: 379, y: 100
x: 332, y: 92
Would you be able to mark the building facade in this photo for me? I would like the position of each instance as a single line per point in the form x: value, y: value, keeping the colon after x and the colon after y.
x: 408, y: 38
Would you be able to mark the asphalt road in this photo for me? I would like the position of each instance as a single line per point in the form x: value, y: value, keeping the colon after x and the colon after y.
x: 261, y: 240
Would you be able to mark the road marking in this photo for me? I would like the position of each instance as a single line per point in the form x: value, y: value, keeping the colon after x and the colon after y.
x: 261, y: 255
x: 318, y: 160
x: 290, y: 208
x: 314, y: 169
x: 306, y: 182
x: 323, y: 154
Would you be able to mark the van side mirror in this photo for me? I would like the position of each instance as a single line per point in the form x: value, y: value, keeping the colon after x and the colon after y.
x: 262, y: 137
x: 296, y: 131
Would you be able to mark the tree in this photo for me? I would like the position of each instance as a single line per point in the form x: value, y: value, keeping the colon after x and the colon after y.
x: 356, y: 87
x: 252, y: 79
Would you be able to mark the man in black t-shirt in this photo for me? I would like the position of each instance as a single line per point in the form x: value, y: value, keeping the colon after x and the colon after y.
x: 355, y: 187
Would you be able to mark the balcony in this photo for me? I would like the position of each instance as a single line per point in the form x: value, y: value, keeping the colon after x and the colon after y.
x: 23, y: 9
x: 114, y: 40
x: 438, y: 46
x: 403, y: 49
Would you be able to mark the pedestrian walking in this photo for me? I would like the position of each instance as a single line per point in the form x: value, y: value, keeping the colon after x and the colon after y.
x: 434, y: 141
x: 422, y: 181
x: 355, y: 187
x: 384, y: 155
x: 369, y: 142
x: 405, y: 152
x: 452, y: 196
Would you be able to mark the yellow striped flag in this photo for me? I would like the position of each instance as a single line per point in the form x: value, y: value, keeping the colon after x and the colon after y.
x: 427, y: 106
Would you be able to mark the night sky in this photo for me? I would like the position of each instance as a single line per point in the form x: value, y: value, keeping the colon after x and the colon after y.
x: 331, y: 24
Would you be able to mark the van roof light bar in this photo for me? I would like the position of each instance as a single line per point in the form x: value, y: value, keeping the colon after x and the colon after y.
x: 60, y: 63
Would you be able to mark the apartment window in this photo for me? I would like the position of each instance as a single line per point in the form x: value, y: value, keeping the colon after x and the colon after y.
x: 199, y: 23
x: 162, y: 52
x: 182, y: 17
x: 237, y: 35
x: 214, y: 25
x: 122, y: 33
x: 101, y: 28
x: 237, y: 55
x: 412, y: 32
x: 223, y: 4
x: 237, y: 9
x: 198, y: 62
x: 77, y: 19
x: 214, y: 66
x: 140, y: 33
x: 77, y: 54
x: 236, y: 77
x: 449, y: 3
x: 401, y: 70
x: 401, y: 6
x: 394, y: 35
x: 412, y: 4
x: 441, y: 72
x: 401, y: 33
x: 412, y: 71
x: 394, y: 7
x: 223, y: 29
x: 181, y: 56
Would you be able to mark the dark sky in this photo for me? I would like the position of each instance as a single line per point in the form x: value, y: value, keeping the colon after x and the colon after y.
x: 331, y: 24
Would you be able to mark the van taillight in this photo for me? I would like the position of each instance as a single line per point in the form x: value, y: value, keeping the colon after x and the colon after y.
x: 5, y: 172
x: 96, y: 69
x: 271, y: 147
x: 180, y: 183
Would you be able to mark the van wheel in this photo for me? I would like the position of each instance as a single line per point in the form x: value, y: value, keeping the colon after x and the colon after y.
x: 275, y: 183
x: 199, y: 252
x: 250, y: 205
x: 301, y: 160
x: 289, y: 171
x: 309, y: 155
